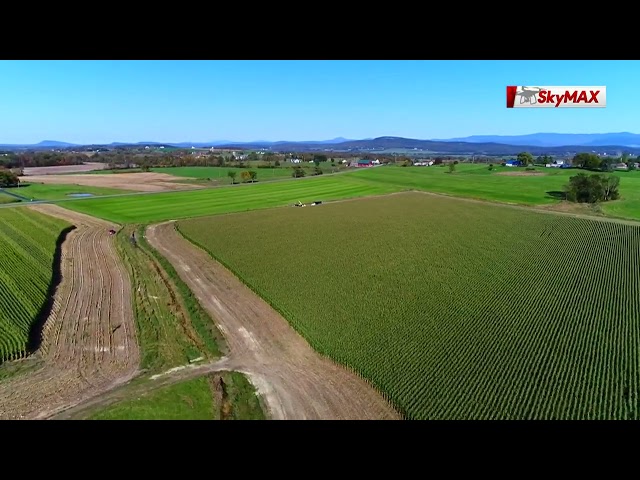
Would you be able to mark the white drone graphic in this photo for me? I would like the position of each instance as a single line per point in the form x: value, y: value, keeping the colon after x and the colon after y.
x: 528, y: 94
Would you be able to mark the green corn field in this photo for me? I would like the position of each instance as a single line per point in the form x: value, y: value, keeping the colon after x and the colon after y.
x: 27, y: 247
x: 453, y: 309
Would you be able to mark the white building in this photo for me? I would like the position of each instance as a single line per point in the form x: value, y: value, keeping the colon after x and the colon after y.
x: 555, y: 164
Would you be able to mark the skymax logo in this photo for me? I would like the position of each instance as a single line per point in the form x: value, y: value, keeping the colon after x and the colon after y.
x: 567, y: 96
x: 556, y: 97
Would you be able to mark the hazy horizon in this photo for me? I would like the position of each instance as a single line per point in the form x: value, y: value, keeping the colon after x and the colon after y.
x: 101, y: 102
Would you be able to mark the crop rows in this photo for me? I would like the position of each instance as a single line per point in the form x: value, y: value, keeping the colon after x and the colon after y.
x: 27, y: 247
x: 453, y: 309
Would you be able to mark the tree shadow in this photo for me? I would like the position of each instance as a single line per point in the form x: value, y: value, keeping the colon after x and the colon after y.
x: 558, y: 195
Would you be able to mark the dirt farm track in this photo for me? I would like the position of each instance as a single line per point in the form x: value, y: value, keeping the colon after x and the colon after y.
x: 90, y: 347
x: 294, y: 380
x: 89, y: 340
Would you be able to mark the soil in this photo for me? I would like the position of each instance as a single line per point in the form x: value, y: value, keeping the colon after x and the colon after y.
x: 89, y: 340
x: 138, y: 181
x: 295, y: 381
x: 87, y: 167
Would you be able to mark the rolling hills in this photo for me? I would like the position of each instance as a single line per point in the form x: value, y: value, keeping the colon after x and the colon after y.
x: 537, y: 144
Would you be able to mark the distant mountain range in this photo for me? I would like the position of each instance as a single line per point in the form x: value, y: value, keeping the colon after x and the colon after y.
x: 624, y: 139
x: 537, y: 144
x: 213, y: 143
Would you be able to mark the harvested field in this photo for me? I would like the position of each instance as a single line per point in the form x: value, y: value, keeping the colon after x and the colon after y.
x: 521, y: 174
x: 294, y: 380
x: 89, y: 340
x: 87, y: 167
x: 138, y: 182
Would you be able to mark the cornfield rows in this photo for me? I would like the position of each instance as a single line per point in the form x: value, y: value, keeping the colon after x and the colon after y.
x: 27, y: 247
x: 454, y: 310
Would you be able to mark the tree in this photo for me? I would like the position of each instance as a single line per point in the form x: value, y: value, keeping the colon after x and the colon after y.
x: 588, y: 161
x: 592, y: 188
x: 544, y: 160
x: 491, y: 166
x: 253, y: 175
x: 317, y: 171
x: 607, y: 164
x: 277, y: 163
x: 8, y: 178
x: 298, y: 172
x: 610, y: 184
x: 245, y: 176
x: 525, y: 159
x: 232, y: 175
x: 452, y: 167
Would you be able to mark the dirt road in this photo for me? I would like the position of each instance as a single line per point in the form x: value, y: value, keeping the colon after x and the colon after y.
x: 294, y: 380
x: 89, y: 341
x: 138, y: 181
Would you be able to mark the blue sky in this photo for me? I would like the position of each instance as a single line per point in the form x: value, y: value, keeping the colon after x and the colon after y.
x: 173, y: 101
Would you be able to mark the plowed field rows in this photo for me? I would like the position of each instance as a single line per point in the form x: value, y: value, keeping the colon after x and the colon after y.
x: 89, y: 340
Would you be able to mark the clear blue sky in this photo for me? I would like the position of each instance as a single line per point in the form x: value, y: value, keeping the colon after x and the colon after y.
x: 174, y: 101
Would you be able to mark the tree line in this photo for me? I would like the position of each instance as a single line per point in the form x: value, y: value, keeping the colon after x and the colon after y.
x: 40, y: 159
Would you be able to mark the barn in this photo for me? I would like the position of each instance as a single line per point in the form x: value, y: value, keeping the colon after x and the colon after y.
x: 364, y: 163
x: 512, y: 163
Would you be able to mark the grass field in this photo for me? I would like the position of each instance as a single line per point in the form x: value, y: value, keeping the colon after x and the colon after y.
x: 469, y: 180
x: 4, y: 198
x: 455, y: 309
x: 195, y: 399
x: 221, y: 173
x: 27, y: 247
x: 476, y: 181
x: 41, y: 191
x: 173, y: 329
x: 167, y: 206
